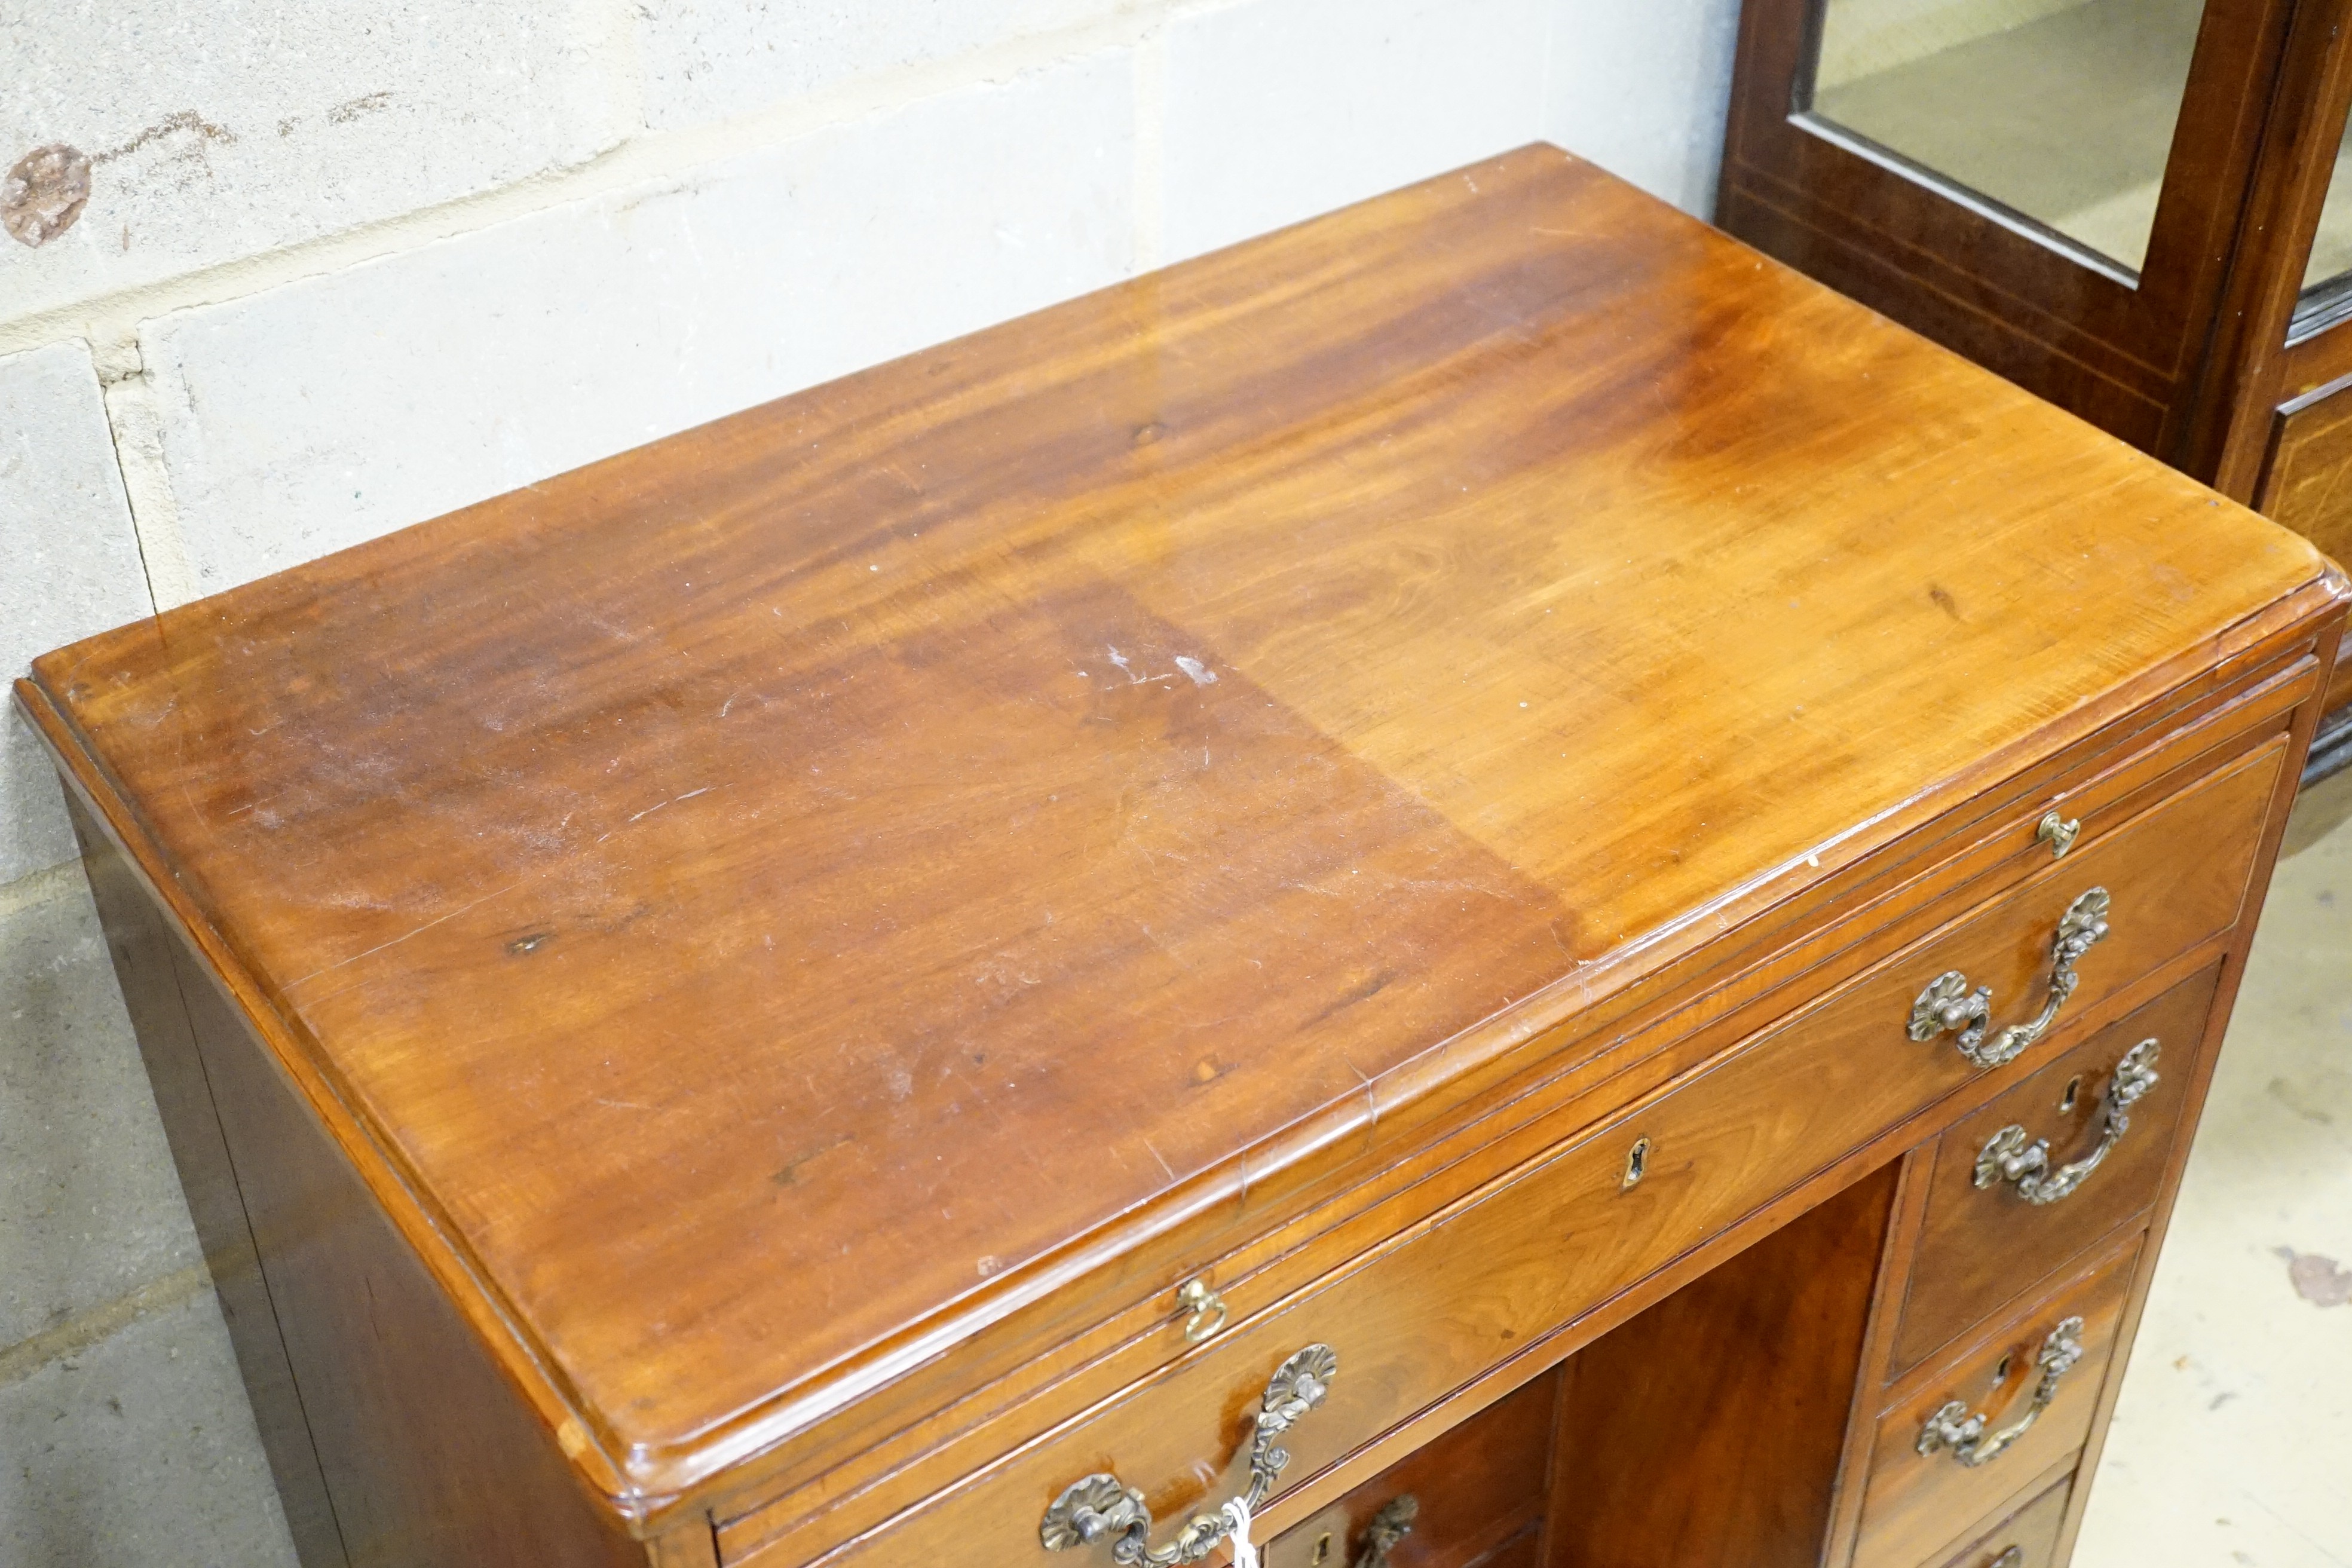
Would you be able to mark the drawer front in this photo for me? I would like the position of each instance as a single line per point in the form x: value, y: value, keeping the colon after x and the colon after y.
x: 1456, y: 1500
x: 2026, y: 1539
x: 1923, y: 1492
x: 2105, y: 1114
x: 1520, y: 1552
x: 1452, y: 1297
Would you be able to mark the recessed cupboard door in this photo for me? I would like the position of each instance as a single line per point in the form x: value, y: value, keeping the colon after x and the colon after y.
x: 2049, y: 186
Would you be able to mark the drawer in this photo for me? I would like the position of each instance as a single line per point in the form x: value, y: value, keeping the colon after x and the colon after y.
x: 1921, y: 1492
x: 1458, y: 1499
x: 1447, y: 1301
x: 2026, y: 1539
x: 1982, y: 1240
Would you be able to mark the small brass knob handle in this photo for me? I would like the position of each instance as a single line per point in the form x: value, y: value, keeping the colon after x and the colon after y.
x: 1949, y: 1003
x: 1953, y: 1427
x: 2013, y: 1558
x: 2058, y: 834
x: 1207, y: 1309
x: 2006, y: 1157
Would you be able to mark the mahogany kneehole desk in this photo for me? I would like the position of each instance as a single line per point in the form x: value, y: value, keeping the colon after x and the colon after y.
x: 1487, y: 871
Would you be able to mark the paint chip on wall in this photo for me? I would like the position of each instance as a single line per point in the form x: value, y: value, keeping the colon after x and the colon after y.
x: 44, y: 193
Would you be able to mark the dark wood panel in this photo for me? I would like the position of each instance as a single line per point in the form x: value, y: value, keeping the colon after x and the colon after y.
x: 141, y: 946
x: 2307, y: 483
x: 1474, y: 1489
x: 1522, y: 1550
x: 2309, y: 367
x: 1706, y: 1432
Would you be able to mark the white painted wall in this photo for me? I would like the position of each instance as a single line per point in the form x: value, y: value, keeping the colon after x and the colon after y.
x: 349, y: 264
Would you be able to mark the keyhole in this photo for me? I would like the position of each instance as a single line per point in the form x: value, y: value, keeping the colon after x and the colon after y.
x: 2074, y: 1093
x: 2000, y: 1371
x: 1322, y: 1548
x: 1637, y: 1162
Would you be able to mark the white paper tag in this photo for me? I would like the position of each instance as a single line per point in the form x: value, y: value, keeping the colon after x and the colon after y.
x: 1238, y: 1514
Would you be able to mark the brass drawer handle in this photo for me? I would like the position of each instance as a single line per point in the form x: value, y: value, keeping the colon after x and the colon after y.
x: 2006, y: 1157
x: 2013, y: 1558
x: 1390, y: 1525
x: 1101, y: 1507
x: 1949, y: 1003
x: 1964, y: 1433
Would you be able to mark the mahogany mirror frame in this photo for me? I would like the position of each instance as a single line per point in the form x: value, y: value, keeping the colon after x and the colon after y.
x: 1989, y: 282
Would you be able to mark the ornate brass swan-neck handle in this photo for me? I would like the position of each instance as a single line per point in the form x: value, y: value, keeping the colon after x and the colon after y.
x: 1954, y: 1427
x: 1949, y: 1003
x: 1390, y: 1525
x: 2006, y: 1157
x: 1102, y: 1507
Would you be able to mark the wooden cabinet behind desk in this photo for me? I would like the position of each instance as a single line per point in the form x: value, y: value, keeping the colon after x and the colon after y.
x: 1399, y: 862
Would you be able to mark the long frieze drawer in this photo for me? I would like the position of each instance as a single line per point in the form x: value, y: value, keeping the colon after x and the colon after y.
x: 2058, y: 1162
x: 1443, y: 1303
x: 1956, y: 1445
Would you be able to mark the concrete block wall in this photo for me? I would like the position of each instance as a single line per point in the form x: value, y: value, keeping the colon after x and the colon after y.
x: 344, y: 265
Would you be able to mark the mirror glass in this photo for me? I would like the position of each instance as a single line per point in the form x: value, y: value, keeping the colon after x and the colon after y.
x: 2060, y: 111
x: 2331, y: 247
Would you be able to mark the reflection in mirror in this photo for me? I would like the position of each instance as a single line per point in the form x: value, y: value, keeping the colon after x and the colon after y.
x: 2060, y: 110
x: 2331, y: 247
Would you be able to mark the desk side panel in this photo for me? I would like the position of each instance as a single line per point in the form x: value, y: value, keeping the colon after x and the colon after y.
x: 392, y: 1436
x: 140, y: 945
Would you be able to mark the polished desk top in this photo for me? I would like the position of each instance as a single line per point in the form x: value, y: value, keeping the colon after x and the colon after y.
x: 765, y: 897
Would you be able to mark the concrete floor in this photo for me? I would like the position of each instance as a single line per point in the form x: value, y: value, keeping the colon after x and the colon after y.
x: 2233, y: 1441
x: 127, y: 1441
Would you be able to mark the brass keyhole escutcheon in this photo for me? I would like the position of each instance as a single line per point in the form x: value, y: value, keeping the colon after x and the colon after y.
x: 2066, y: 1101
x: 1637, y: 1163
x: 2001, y: 1369
x: 1322, y: 1549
